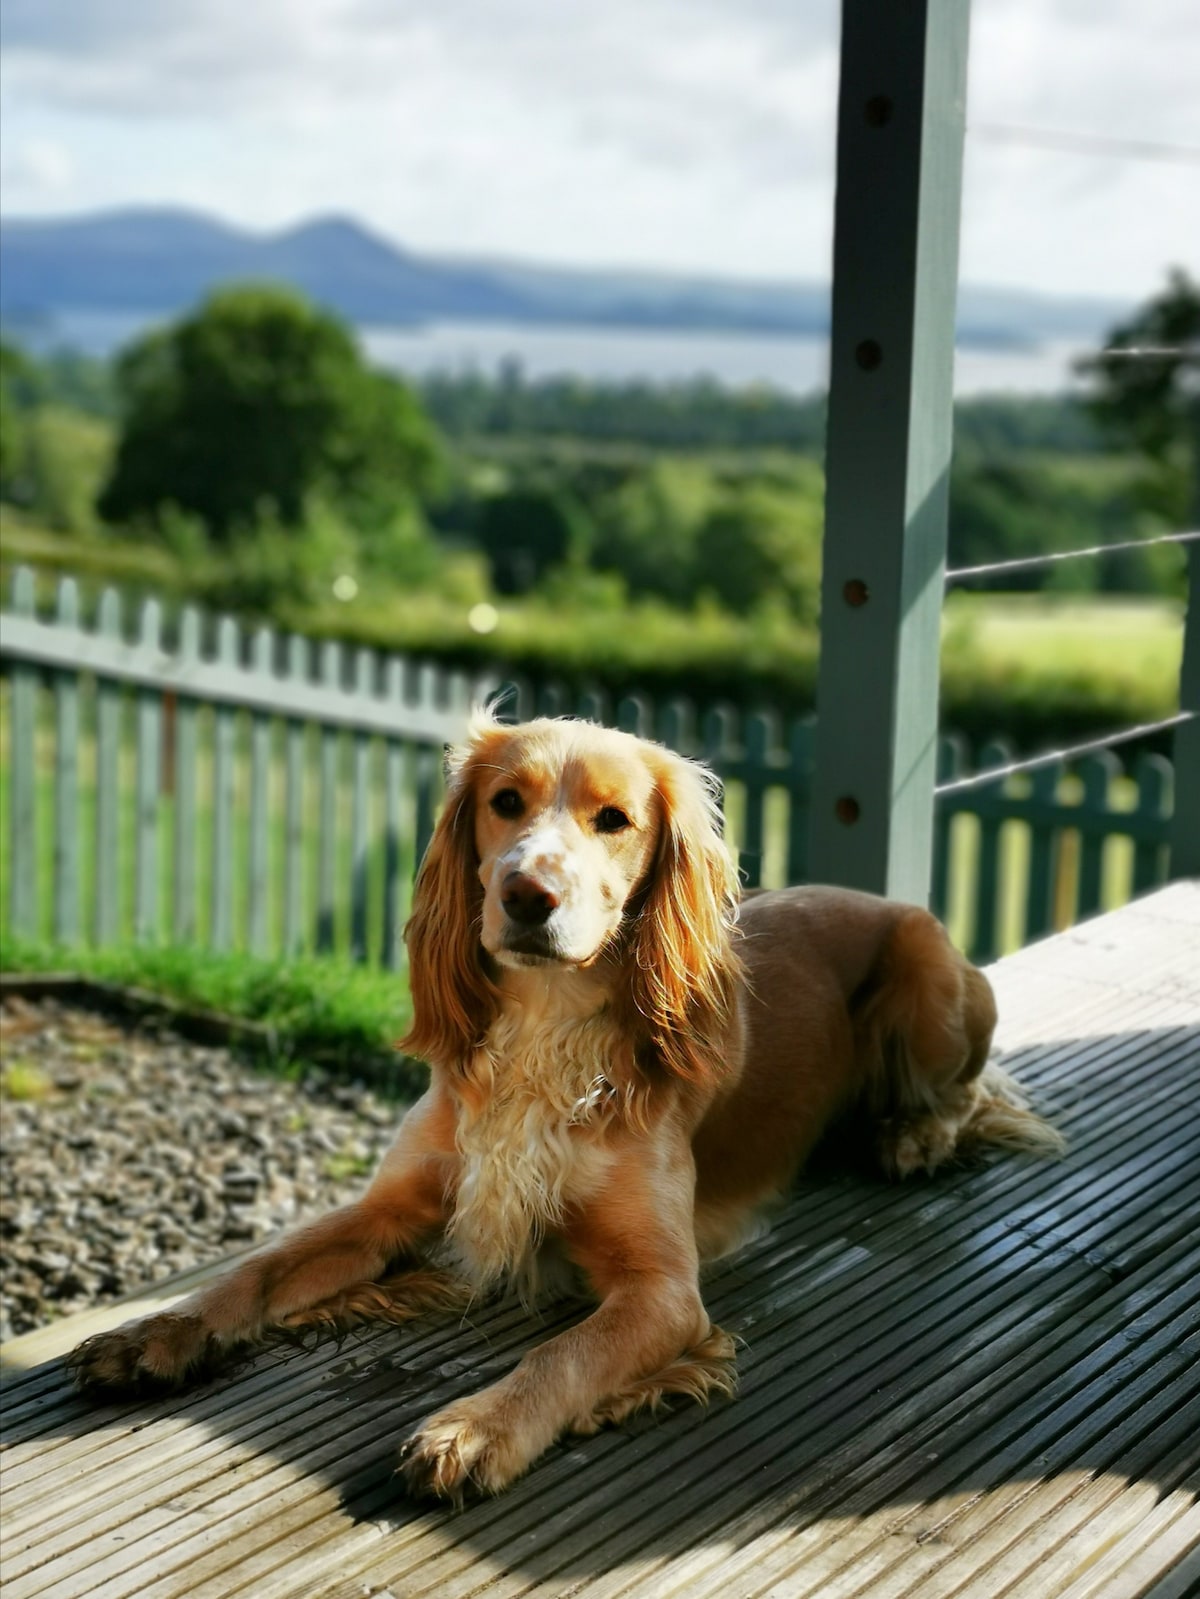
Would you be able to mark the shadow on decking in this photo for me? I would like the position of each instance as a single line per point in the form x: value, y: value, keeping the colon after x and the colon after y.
x: 1020, y: 1323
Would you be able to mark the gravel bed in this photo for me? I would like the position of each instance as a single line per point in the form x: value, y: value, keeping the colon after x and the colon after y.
x: 131, y: 1155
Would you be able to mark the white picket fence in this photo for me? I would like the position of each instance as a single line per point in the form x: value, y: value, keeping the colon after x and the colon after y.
x: 275, y: 794
x: 220, y: 757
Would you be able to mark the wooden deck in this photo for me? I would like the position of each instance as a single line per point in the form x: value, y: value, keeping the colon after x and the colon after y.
x: 987, y: 1384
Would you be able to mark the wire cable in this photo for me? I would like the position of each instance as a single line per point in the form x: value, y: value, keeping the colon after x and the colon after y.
x: 1093, y: 144
x: 960, y: 574
x: 1072, y: 752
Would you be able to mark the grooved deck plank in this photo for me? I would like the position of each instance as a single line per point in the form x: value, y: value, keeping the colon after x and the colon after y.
x: 972, y: 1386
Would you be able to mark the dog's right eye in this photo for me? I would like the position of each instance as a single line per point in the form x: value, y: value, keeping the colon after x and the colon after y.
x: 507, y: 802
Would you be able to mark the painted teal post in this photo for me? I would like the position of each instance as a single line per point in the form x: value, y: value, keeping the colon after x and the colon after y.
x: 895, y: 262
x: 22, y: 755
x: 1185, y: 823
x: 66, y: 779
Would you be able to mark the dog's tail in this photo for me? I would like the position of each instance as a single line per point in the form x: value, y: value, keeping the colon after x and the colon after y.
x: 1002, y: 1119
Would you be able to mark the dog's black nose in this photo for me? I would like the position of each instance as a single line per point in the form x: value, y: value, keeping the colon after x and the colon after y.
x: 526, y: 901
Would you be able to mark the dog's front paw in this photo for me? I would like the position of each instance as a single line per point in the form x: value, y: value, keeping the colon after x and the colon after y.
x: 463, y: 1446
x: 149, y: 1356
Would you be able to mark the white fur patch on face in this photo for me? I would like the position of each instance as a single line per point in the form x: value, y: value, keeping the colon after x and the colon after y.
x: 544, y: 854
x: 556, y: 854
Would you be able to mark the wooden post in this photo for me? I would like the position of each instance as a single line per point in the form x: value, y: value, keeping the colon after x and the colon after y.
x: 1185, y: 823
x: 900, y: 133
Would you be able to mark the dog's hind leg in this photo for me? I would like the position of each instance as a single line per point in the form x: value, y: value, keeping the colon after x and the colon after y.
x: 926, y: 1030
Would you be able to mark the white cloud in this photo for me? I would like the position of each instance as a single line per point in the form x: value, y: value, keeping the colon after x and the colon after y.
x: 39, y: 166
x: 682, y: 133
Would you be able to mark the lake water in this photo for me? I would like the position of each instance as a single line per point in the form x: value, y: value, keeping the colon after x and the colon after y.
x: 789, y: 362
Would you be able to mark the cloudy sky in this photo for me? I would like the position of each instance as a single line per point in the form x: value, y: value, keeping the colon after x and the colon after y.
x: 682, y: 134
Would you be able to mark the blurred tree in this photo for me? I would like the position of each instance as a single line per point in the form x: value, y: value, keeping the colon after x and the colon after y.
x: 261, y: 401
x: 17, y: 384
x: 648, y: 529
x: 527, y: 532
x: 757, y: 545
x: 1152, y: 400
x: 66, y: 457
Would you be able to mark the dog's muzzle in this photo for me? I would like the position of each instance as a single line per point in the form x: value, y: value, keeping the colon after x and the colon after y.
x: 528, y: 906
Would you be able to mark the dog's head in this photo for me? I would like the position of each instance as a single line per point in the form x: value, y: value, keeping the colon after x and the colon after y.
x: 566, y: 845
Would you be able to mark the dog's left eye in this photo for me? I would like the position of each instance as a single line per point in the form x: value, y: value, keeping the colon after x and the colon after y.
x: 611, y: 820
x: 507, y: 802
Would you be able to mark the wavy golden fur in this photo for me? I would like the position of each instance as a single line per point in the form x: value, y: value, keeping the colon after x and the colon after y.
x: 626, y: 1067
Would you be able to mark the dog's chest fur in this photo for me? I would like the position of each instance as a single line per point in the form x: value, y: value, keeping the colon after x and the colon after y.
x: 535, y: 1147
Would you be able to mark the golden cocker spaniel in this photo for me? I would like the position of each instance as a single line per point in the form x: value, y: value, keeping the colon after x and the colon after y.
x: 626, y: 1068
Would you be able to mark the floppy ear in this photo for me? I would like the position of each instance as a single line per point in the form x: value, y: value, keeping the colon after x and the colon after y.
x: 454, y: 1000
x: 683, y: 967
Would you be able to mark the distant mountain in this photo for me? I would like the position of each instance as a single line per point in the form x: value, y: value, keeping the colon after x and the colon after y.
x: 160, y: 262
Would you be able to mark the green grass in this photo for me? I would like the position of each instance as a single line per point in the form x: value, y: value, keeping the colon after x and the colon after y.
x: 1070, y: 633
x: 315, y: 1008
x: 1044, y: 668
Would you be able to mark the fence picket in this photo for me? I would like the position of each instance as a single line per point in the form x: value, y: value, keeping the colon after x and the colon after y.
x: 394, y: 760
x: 258, y: 906
x: 1044, y: 837
x: 184, y: 919
x: 363, y: 684
x: 677, y: 726
x: 107, y: 919
x: 592, y: 706
x: 633, y: 716
x: 148, y: 787
x: 760, y: 737
x: 952, y: 763
x: 223, y: 775
x: 1154, y: 788
x: 293, y: 823
x: 551, y: 700
x: 1097, y: 772
x: 23, y: 857
x: 800, y: 753
x: 331, y: 677
x: 66, y: 781
x: 426, y: 770
x: 986, y: 942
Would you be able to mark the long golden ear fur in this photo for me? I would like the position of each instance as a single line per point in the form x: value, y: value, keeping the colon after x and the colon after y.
x: 454, y: 1000
x: 683, y: 967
